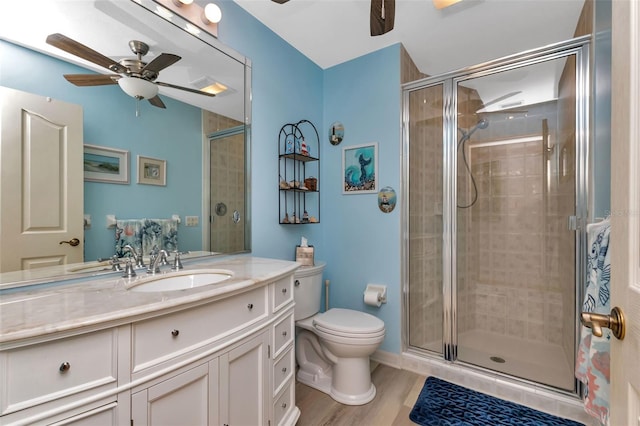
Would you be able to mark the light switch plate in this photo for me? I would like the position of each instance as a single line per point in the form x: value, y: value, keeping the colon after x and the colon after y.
x: 191, y: 220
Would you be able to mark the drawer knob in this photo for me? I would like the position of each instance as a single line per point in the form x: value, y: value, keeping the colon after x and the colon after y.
x: 284, y: 369
x: 297, y: 283
x: 250, y: 306
x: 284, y: 405
x: 284, y: 334
x: 64, y: 367
x: 175, y: 332
x: 284, y: 291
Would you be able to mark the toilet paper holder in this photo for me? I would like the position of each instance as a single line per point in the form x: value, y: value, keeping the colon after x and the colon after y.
x: 381, y: 289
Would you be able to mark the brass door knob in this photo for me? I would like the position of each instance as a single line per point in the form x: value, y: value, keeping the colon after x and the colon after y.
x: 614, y: 321
x: 72, y: 242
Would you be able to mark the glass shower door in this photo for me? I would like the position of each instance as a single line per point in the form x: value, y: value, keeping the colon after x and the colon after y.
x: 425, y: 304
x: 516, y: 190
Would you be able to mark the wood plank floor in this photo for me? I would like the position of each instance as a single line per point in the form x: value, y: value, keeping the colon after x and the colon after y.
x: 397, y: 391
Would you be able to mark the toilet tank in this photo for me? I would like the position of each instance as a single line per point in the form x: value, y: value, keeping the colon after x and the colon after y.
x: 307, y: 290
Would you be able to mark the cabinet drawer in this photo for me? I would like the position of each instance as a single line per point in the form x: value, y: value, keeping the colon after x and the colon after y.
x: 35, y: 374
x: 283, y: 370
x: 158, y: 339
x: 284, y: 404
x: 282, y: 334
x: 282, y: 292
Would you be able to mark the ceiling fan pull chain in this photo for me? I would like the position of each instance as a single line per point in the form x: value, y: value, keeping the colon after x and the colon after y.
x: 137, y: 107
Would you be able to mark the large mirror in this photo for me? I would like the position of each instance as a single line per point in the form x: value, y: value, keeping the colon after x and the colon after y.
x: 199, y: 144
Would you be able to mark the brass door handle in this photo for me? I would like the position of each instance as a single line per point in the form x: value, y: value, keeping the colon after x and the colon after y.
x: 614, y: 322
x: 72, y: 242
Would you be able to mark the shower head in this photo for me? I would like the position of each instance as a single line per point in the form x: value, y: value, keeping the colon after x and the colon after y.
x: 482, y: 124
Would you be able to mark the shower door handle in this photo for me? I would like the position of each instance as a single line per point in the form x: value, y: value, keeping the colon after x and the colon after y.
x: 614, y: 321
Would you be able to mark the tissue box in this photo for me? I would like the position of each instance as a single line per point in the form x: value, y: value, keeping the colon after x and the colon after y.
x: 304, y: 255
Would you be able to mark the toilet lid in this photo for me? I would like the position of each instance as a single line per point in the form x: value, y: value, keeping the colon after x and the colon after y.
x: 348, y: 321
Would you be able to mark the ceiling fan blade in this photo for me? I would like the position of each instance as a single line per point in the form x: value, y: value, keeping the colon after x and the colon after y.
x: 157, y: 102
x: 63, y: 42
x: 92, y: 79
x: 199, y: 92
x: 161, y: 62
x: 382, y: 16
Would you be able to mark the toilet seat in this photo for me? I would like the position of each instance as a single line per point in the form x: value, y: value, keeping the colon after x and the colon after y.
x: 349, y: 323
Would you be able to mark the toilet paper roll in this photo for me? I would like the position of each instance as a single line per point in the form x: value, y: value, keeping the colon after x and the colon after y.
x: 372, y: 298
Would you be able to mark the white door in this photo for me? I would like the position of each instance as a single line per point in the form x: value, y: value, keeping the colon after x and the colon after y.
x: 41, y: 190
x: 625, y: 211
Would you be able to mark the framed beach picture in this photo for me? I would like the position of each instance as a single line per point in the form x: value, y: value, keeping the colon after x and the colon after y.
x: 152, y: 171
x: 360, y: 169
x: 102, y: 164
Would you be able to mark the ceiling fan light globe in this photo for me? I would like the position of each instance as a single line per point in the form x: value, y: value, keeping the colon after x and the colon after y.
x: 138, y: 88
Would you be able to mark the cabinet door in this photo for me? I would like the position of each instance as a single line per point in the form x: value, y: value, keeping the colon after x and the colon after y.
x: 244, y: 383
x: 185, y: 399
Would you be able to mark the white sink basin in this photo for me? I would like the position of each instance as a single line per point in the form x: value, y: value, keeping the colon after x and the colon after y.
x: 181, y: 280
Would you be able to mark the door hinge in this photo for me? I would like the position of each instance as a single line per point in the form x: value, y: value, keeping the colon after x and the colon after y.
x: 572, y: 223
x: 269, y: 351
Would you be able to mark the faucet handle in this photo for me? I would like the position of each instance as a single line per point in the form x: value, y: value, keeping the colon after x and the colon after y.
x: 177, y: 263
x: 115, y: 263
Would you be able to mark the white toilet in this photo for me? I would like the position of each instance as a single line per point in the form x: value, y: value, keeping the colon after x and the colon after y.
x: 333, y: 348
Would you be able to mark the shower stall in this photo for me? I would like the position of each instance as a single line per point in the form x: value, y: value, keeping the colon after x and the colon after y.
x: 496, y: 202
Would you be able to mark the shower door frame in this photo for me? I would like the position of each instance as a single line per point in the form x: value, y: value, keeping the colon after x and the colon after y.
x: 583, y: 196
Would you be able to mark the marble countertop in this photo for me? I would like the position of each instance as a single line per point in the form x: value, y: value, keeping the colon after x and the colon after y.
x: 41, y: 309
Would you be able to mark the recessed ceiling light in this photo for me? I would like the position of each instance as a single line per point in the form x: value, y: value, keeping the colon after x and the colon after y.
x: 441, y: 4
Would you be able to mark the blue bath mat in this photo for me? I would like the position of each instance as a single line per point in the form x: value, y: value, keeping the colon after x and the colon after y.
x: 442, y: 403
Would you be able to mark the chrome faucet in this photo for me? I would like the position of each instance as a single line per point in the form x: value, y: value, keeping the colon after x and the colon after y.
x: 136, y: 257
x: 157, y: 257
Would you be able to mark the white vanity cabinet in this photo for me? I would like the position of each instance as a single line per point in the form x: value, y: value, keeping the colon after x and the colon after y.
x: 223, y: 360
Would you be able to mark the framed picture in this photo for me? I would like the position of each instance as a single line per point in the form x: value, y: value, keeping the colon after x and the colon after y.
x: 102, y: 164
x: 360, y: 169
x: 152, y: 171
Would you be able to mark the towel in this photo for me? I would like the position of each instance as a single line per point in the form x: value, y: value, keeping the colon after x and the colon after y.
x: 592, y: 364
x: 146, y: 234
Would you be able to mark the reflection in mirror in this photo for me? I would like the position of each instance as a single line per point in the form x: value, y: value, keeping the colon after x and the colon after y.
x: 336, y: 133
x: 181, y: 134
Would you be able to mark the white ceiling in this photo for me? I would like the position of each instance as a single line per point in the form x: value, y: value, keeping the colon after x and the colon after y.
x: 468, y: 33
x: 330, y: 32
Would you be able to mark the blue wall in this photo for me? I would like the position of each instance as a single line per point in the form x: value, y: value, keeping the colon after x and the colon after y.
x: 174, y: 134
x: 602, y: 109
x: 363, y: 243
x: 359, y: 243
x: 286, y: 88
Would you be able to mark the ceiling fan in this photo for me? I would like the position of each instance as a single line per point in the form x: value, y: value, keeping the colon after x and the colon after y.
x: 134, y: 76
